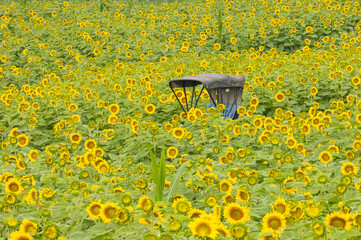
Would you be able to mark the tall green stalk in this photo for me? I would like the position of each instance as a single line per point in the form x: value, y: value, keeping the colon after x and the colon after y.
x: 158, y: 174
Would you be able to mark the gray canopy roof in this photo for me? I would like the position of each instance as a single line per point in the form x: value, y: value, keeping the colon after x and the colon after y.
x: 210, y: 81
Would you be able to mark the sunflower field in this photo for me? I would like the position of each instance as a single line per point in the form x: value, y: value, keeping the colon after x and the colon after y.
x: 94, y: 145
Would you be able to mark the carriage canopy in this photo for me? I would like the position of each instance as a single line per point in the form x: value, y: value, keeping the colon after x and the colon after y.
x: 222, y: 89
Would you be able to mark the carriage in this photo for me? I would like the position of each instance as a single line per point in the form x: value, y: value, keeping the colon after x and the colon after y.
x: 221, y: 88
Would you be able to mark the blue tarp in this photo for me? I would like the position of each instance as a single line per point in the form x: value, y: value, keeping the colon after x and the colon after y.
x: 230, y: 110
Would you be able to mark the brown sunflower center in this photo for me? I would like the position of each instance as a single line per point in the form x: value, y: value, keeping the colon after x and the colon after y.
x: 274, y: 223
x: 110, y: 212
x: 203, y: 229
x: 280, y: 208
x: 348, y: 169
x: 103, y: 168
x: 22, y: 140
x: 338, y: 222
x: 238, y: 232
x: 91, y: 145
x: 236, y: 214
x: 14, y: 187
x: 183, y: 207
x: 358, y: 220
x: 30, y: 229
x: 23, y: 238
x: 113, y: 109
x: 172, y: 152
x: 224, y: 187
x: 75, y: 138
x: 51, y: 232
x: 325, y: 157
x: 146, y: 205
x: 297, y: 213
x: 95, y: 209
x: 243, y: 195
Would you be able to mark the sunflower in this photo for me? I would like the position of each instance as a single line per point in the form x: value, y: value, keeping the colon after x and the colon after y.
x: 318, y: 229
x: 90, y: 144
x: 103, y: 167
x: 238, y: 231
x: 291, y: 142
x: 357, y: 219
x: 20, y: 165
x: 178, y: 133
x: 313, y: 91
x: 33, y: 155
x: 23, y: 140
x: 113, y: 108
x: 126, y: 199
x: 145, y: 203
x: 234, y: 213
x: 94, y: 209
x: 242, y: 195
x: 195, y: 213
x: 118, y: 190
x: 13, y: 186
x: 211, y: 201
x: 174, y: 225
x: 46, y: 193
x: 182, y: 206
x: 350, y: 155
x: 338, y: 220
x: 217, y: 212
x: 108, y: 211
x: 306, y: 129
x: 28, y: 227
x: 356, y: 145
x: 241, y: 110
x: 149, y: 108
x: 75, y: 118
x: 72, y: 107
x: 334, y: 149
x: 141, y: 183
x: 254, y: 101
x: 11, y: 222
x: 273, y: 222
x: 225, y: 186
x: 123, y: 215
x: 202, y: 227
x: 51, y: 232
x: 281, y: 206
x: 325, y: 157
x: 358, y: 118
x: 32, y: 196
x: 349, y: 169
x: 217, y: 46
x: 20, y: 235
x: 75, y: 138
x: 279, y: 97
x: 222, y: 230
x: 356, y: 81
x: 228, y: 199
x: 312, y: 209
x: 150, y: 236
x: 297, y: 212
x: 14, y: 132
x: 112, y: 119
x: 341, y: 188
x: 10, y: 198
x: 165, y: 237
x: 172, y: 152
